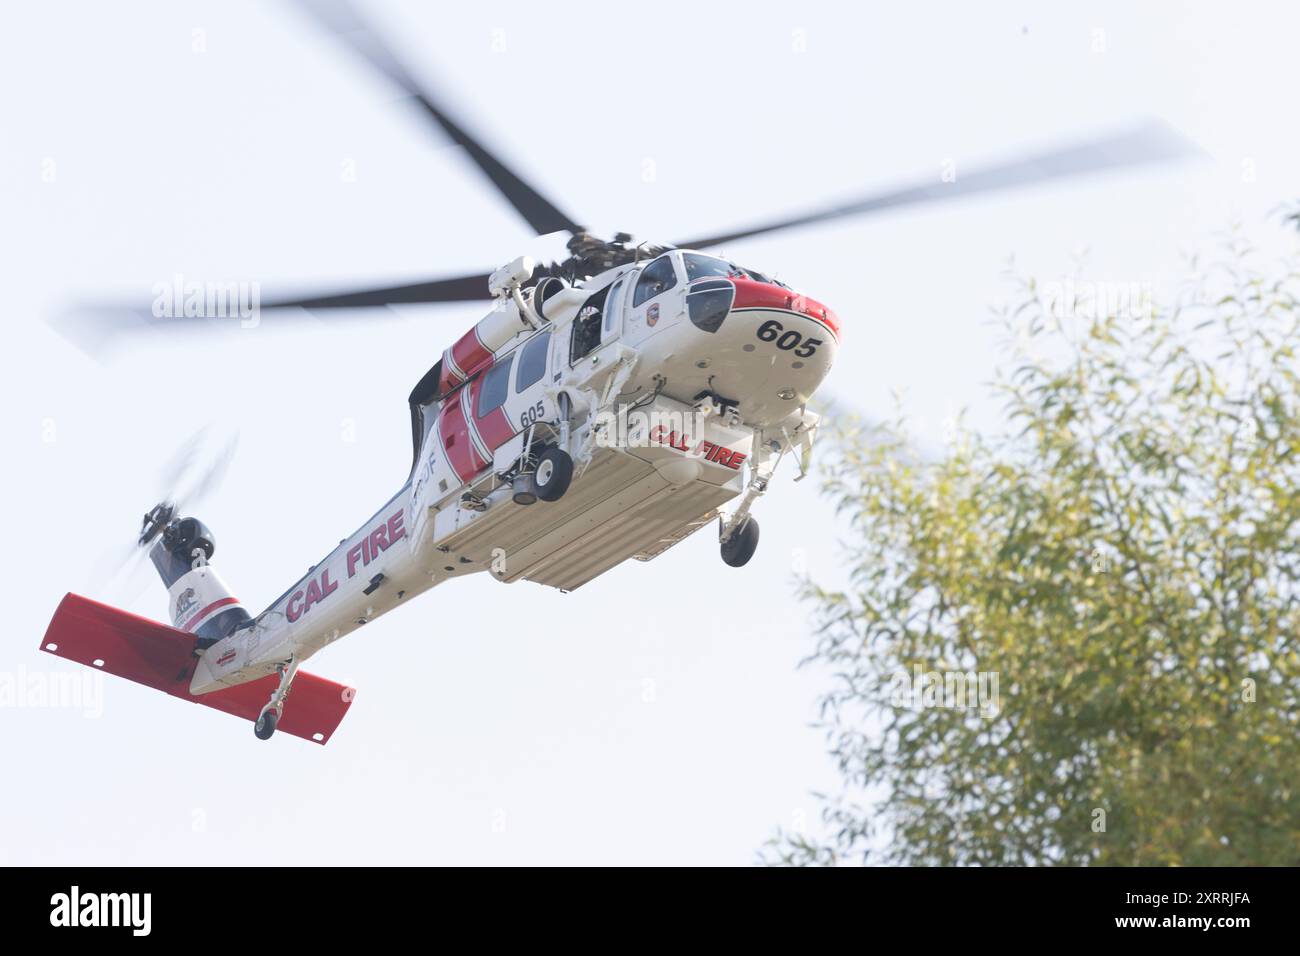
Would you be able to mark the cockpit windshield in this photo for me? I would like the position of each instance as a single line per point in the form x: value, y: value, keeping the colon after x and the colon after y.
x: 701, y: 267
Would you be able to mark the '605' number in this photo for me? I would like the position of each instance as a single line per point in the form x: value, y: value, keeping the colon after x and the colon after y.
x: 531, y: 415
x: 787, y: 339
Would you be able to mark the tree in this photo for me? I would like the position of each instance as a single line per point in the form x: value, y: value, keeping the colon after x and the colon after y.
x: 1112, y: 582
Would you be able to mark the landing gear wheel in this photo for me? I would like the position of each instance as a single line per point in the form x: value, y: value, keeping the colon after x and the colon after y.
x: 553, y: 474
x: 265, y: 725
x: 740, y: 547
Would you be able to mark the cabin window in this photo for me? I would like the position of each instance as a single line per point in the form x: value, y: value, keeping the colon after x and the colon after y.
x: 658, y: 276
x: 496, y: 385
x: 532, y: 361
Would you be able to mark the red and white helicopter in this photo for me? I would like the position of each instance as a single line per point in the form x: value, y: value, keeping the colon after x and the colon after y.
x: 605, y: 408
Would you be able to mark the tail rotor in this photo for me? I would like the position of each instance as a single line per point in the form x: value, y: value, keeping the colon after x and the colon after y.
x: 193, y: 473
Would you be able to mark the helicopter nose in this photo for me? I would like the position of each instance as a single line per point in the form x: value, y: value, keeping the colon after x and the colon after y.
x: 765, y: 346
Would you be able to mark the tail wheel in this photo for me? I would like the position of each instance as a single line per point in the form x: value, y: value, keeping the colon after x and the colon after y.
x: 265, y: 725
x: 553, y: 474
x: 740, y: 547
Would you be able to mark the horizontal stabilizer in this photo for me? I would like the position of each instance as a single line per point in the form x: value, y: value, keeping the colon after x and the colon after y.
x: 160, y: 656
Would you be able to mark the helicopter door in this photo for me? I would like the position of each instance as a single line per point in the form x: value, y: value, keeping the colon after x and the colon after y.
x: 655, y: 299
x: 472, y: 423
x: 529, y: 403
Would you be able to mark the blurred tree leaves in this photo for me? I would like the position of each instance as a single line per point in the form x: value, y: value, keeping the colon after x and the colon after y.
x: 1124, y: 559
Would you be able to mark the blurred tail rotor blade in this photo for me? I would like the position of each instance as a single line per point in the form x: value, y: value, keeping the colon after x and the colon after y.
x: 183, y: 460
x: 341, y: 19
x: 195, y: 470
x: 1152, y: 142
x: 205, y: 469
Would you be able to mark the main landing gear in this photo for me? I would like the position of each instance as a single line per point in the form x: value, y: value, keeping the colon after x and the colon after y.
x: 549, y: 478
x: 738, y: 534
x: 269, y: 718
x: 553, y: 474
x: 740, y: 546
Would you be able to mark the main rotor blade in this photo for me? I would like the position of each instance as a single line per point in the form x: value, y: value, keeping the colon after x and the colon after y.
x: 470, y: 288
x: 93, y: 327
x: 1151, y: 142
x: 339, y: 18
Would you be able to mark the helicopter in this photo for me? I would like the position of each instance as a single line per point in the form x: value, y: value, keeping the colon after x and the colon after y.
x: 607, y: 407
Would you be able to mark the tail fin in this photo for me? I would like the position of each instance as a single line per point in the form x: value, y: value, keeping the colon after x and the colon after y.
x: 162, y: 657
x: 200, y: 602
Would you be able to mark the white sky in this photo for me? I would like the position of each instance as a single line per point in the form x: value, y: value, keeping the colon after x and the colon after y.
x: 512, y: 726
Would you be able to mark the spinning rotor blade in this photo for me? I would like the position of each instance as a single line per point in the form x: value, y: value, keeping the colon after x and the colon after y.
x: 1152, y: 142
x: 339, y: 18
x: 196, y: 469
x: 93, y: 327
x: 460, y: 289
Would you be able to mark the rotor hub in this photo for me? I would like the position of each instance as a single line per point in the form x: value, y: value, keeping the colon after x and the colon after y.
x: 155, y: 521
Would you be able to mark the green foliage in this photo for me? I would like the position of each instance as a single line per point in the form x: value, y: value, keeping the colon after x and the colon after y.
x: 1124, y: 560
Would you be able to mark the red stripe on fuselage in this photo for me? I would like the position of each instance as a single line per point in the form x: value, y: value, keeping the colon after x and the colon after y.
x: 451, y: 376
x: 466, y: 356
x: 496, y: 428
x: 198, y: 618
x: 763, y: 295
x: 454, y: 431
x: 467, y: 397
x: 469, y: 353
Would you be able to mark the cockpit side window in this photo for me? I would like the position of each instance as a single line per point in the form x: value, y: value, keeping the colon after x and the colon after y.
x: 586, y: 327
x: 659, y: 276
x: 586, y: 335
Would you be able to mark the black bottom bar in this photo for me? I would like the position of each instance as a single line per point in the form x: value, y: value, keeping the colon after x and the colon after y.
x: 250, y: 906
